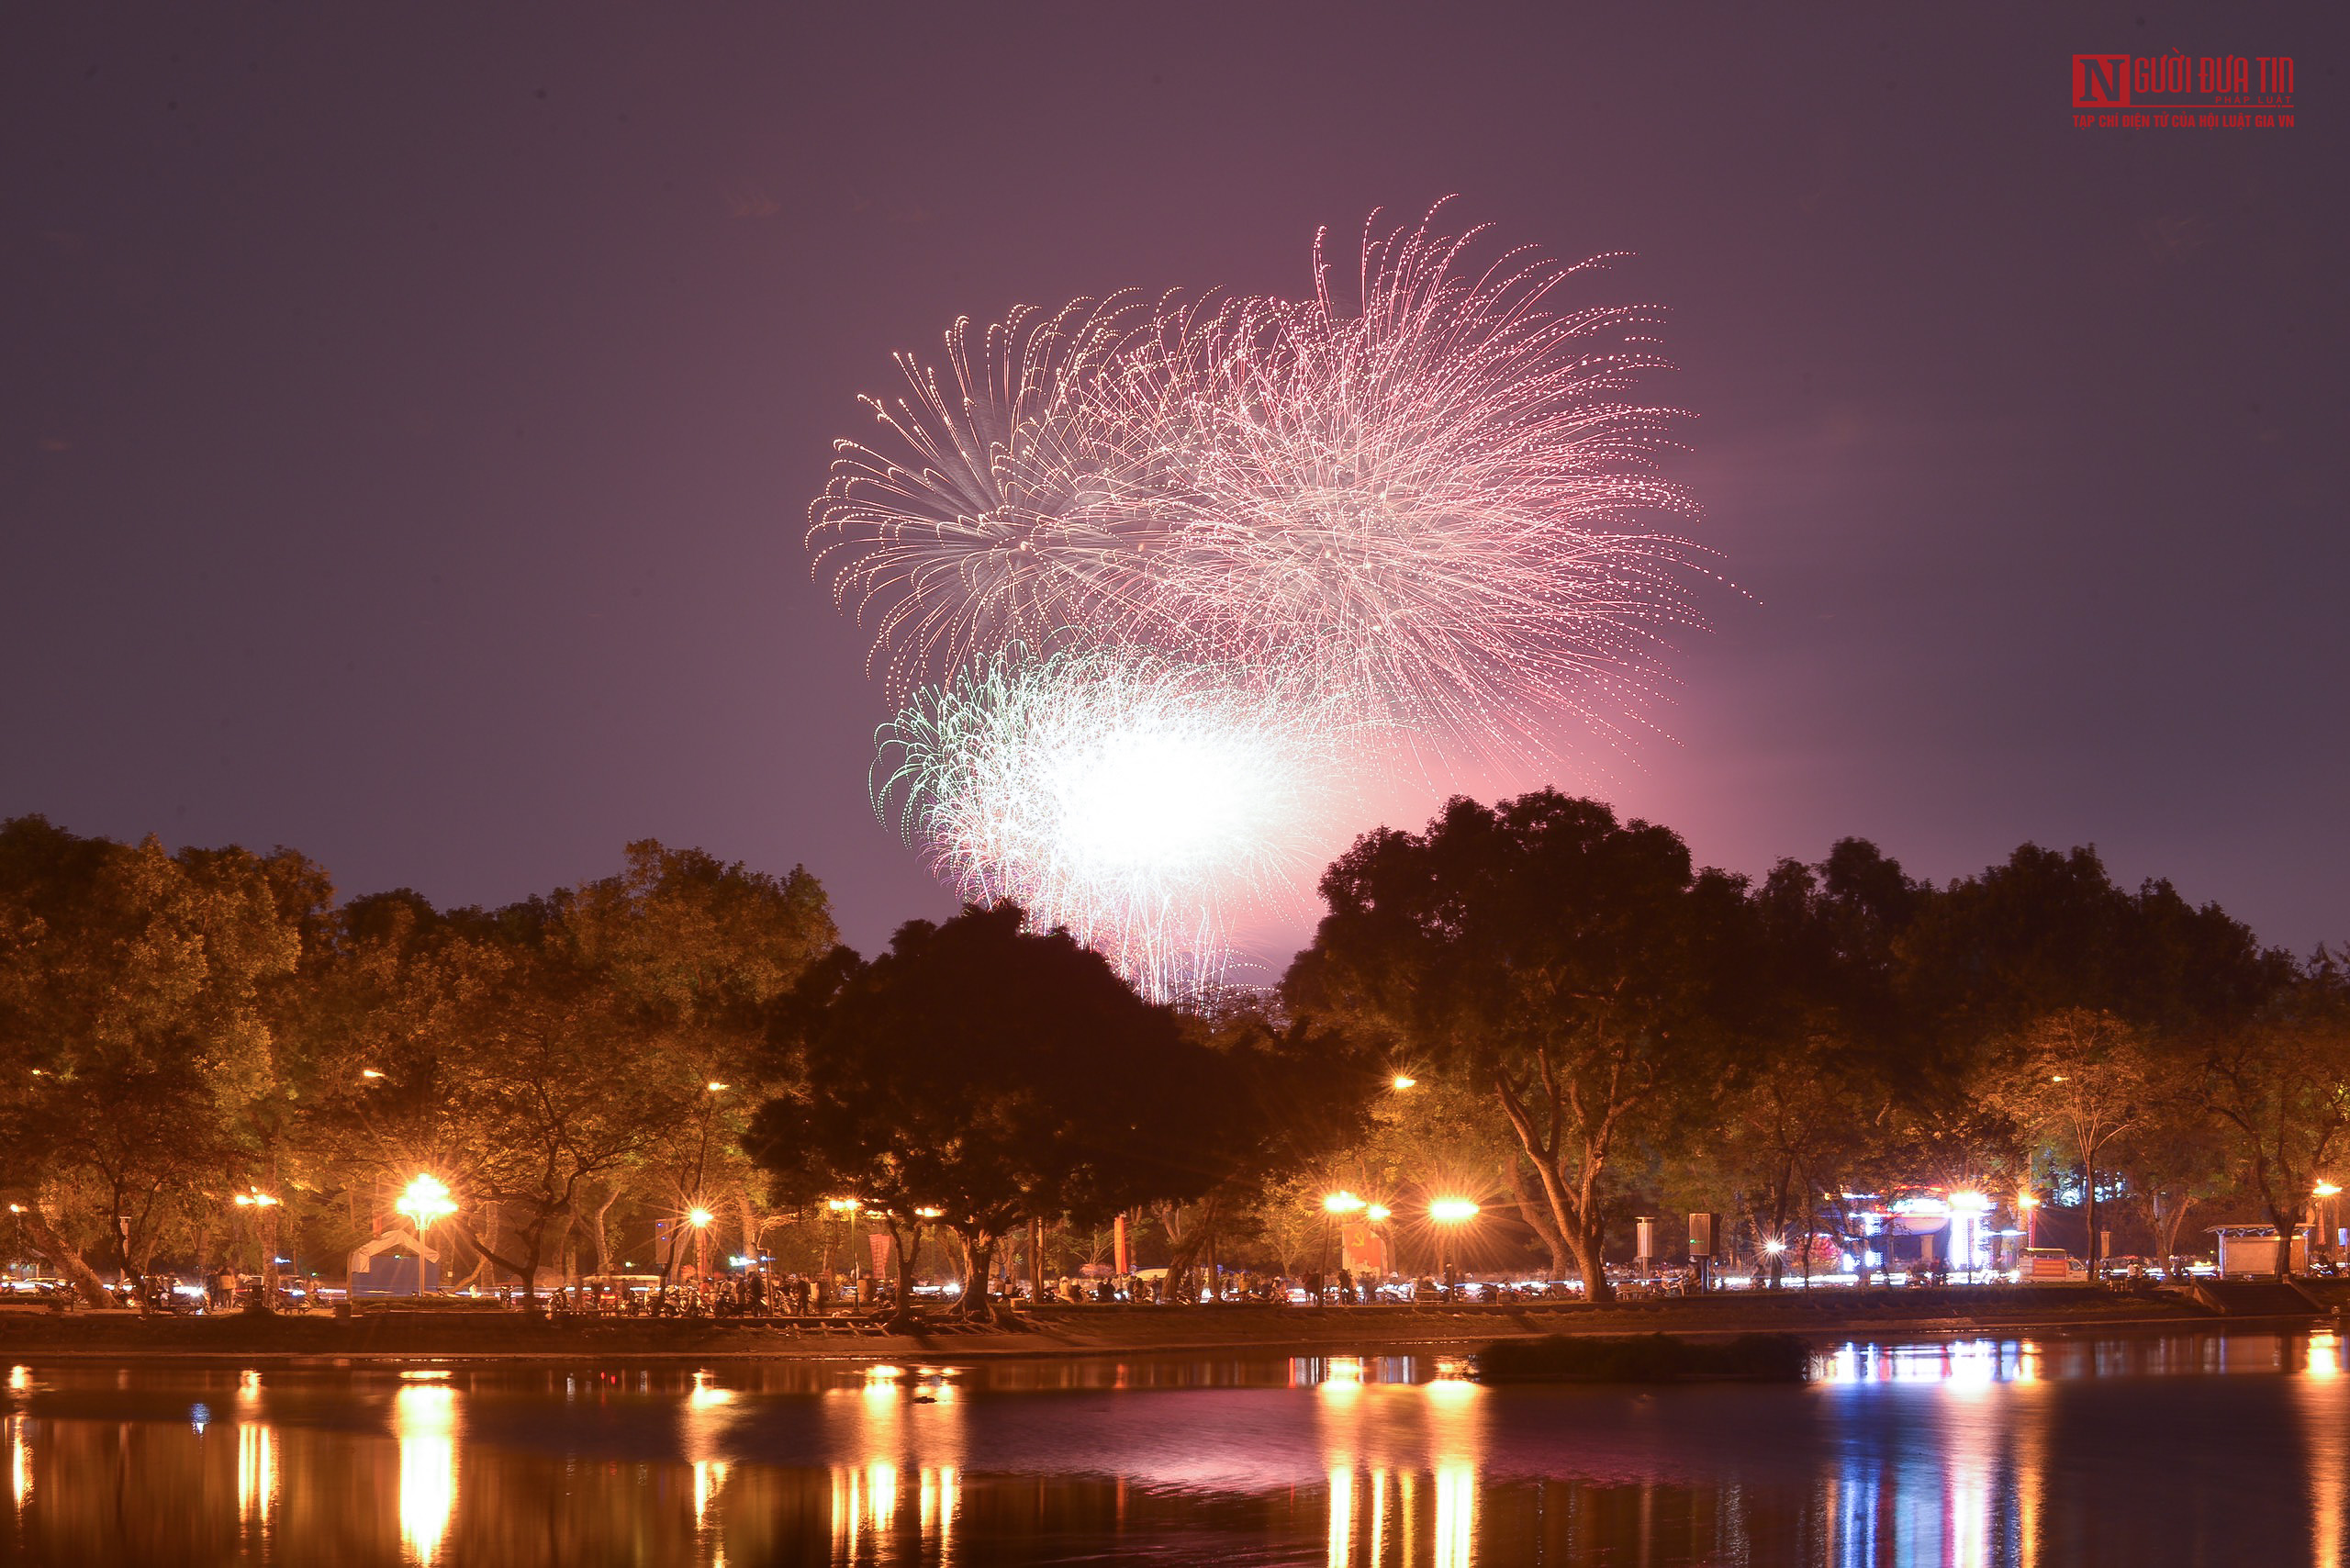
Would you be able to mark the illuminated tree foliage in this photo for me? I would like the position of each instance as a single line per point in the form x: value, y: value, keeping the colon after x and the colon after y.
x: 1577, y: 967
x: 987, y: 1075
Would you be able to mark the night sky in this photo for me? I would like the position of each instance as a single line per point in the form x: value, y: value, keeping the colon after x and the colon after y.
x: 411, y: 412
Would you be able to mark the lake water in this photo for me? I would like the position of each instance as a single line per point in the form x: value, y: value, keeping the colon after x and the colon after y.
x: 2192, y: 1449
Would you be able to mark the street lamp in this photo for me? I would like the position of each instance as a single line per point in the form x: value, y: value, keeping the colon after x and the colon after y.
x: 846, y: 1208
x: 1333, y: 1204
x: 426, y: 1200
x: 254, y: 1198
x: 1448, y: 1214
x: 2027, y: 1203
x: 2325, y: 1190
x: 1402, y: 1080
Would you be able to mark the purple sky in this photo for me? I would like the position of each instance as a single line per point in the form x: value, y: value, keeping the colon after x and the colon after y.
x: 411, y: 411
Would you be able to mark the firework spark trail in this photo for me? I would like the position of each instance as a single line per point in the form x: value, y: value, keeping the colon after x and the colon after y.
x: 1143, y: 803
x: 1395, y: 527
x: 1005, y: 514
x: 1428, y: 494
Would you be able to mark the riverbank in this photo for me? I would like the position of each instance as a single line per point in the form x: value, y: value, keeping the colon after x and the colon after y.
x: 398, y: 1335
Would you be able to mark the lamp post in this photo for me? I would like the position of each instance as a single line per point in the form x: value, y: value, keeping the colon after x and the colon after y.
x: 2325, y: 1191
x: 1335, y: 1204
x: 2030, y: 1205
x: 847, y: 1209
x: 1448, y: 1215
x: 254, y: 1198
x: 699, y: 1219
x: 426, y: 1200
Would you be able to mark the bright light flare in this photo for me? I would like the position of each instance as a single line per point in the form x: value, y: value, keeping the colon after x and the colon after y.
x: 1160, y: 586
x: 1146, y: 805
x: 427, y: 1199
x: 1452, y: 1210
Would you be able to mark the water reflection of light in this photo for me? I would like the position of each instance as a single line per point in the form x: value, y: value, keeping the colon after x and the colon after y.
x: 2320, y: 1396
x: 866, y: 1500
x: 848, y: 1504
x: 1342, y: 1378
x: 1448, y: 1392
x: 2030, y: 1461
x: 1342, y: 1515
x: 1967, y: 1490
x: 1378, y: 1517
x: 706, y: 1396
x: 709, y: 1474
x: 247, y: 1385
x: 1456, y: 1514
x: 424, y: 1419
x: 20, y: 1462
x: 256, y: 1473
x: 20, y: 1379
x: 934, y: 1499
x: 1972, y: 1366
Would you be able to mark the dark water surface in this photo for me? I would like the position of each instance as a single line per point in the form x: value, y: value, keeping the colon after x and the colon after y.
x: 2188, y: 1448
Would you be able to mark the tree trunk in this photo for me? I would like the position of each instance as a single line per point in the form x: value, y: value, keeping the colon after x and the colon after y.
x: 528, y: 1269
x: 1537, y: 1214
x: 973, y: 1303
x: 69, y: 1262
x: 600, y: 1235
x: 2088, y: 1211
x: 2172, y: 1222
x: 1591, y: 1264
x: 902, y: 1305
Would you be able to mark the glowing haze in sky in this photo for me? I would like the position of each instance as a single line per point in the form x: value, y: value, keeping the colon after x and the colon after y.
x: 1182, y: 568
x: 412, y: 411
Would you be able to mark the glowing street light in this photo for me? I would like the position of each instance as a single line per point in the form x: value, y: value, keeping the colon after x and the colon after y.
x: 1402, y: 1080
x: 2325, y: 1191
x: 2029, y: 1204
x: 717, y: 1088
x: 1448, y: 1214
x: 847, y: 1209
x: 1377, y: 1214
x: 254, y: 1198
x: 369, y: 1073
x: 1333, y: 1204
x: 426, y: 1200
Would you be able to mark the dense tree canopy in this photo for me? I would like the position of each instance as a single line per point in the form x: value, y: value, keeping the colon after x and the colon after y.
x: 980, y: 1074
x: 1596, y: 1027
x: 1577, y: 966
